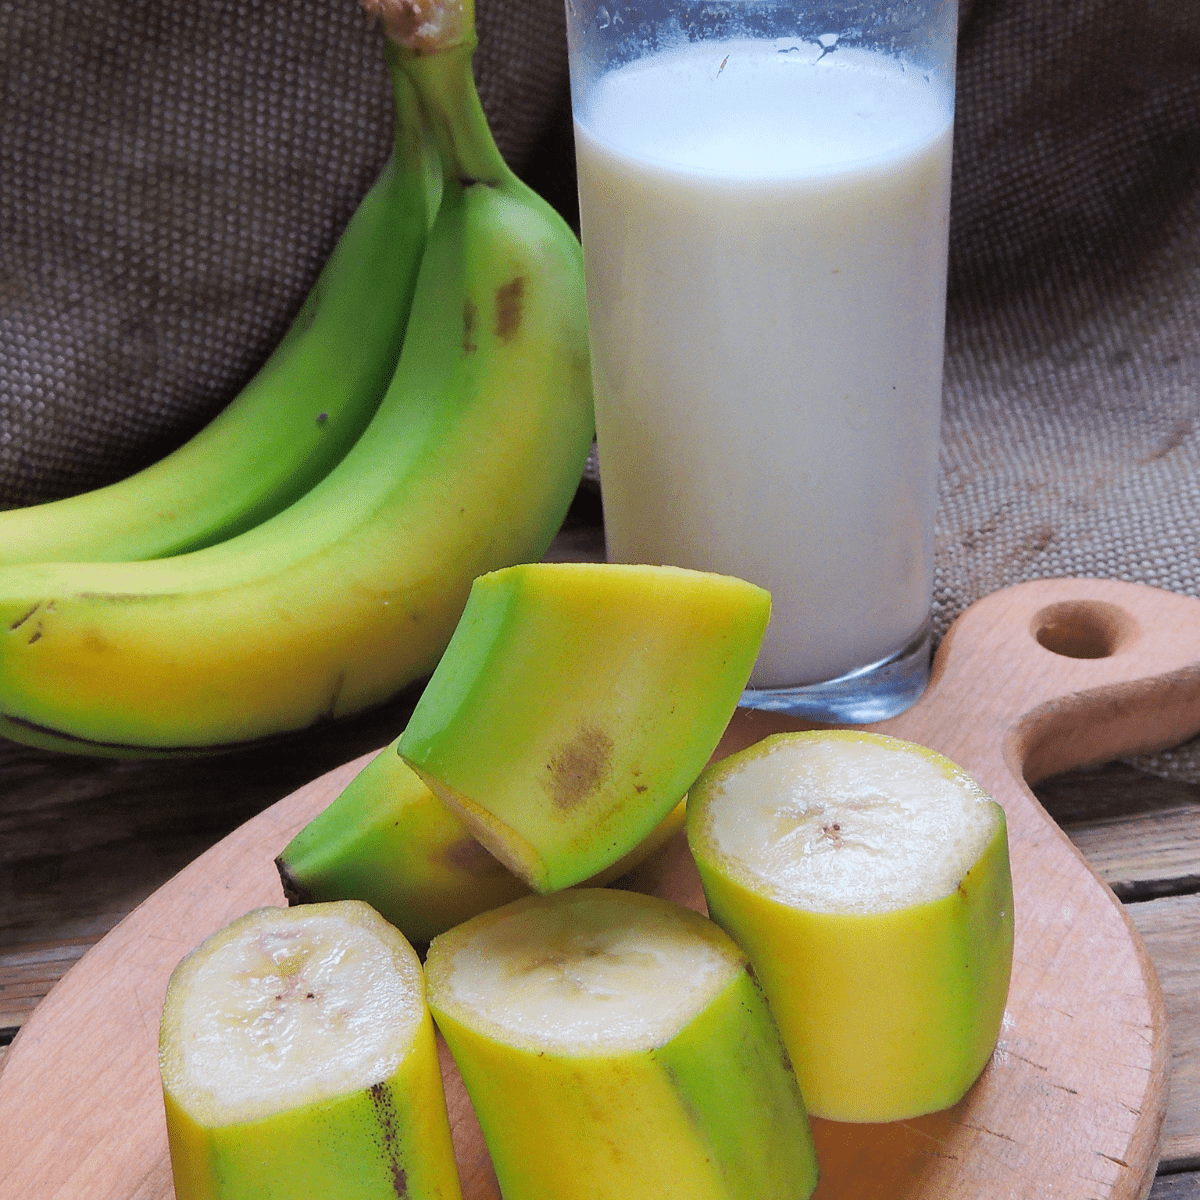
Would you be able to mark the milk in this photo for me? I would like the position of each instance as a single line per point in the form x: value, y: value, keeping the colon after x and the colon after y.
x: 764, y: 228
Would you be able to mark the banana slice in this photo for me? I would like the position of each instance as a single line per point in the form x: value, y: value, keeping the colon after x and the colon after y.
x: 615, y: 1044
x: 576, y: 703
x: 298, y: 1060
x: 388, y: 840
x: 868, y: 880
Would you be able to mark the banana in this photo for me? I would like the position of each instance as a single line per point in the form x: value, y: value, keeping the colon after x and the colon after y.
x: 868, y: 880
x: 298, y: 1060
x: 576, y: 704
x: 388, y: 840
x: 615, y: 1044
x: 352, y: 592
x: 295, y: 419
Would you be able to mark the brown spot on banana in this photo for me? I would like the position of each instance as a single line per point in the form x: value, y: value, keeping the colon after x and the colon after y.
x: 510, y: 308
x: 385, y: 1114
x: 294, y: 892
x: 330, y: 711
x: 21, y: 620
x: 580, y: 768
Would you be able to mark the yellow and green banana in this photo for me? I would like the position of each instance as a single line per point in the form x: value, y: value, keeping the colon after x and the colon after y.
x: 295, y: 419
x: 577, y: 702
x: 352, y: 592
x: 868, y: 880
x: 298, y: 1060
x: 615, y: 1044
x: 388, y: 840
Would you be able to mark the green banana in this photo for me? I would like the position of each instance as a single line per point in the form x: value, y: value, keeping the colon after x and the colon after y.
x: 341, y: 600
x: 295, y: 419
x: 388, y: 840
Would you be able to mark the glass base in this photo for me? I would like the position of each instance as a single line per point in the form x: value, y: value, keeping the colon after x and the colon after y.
x: 871, y: 693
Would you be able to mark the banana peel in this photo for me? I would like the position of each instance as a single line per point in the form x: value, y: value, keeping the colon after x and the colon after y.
x: 615, y: 1044
x: 388, y: 840
x: 888, y: 969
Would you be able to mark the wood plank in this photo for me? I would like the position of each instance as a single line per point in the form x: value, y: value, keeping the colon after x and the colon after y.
x: 1116, y: 789
x: 28, y: 972
x: 1176, y: 1187
x: 1171, y: 930
x: 1144, y: 856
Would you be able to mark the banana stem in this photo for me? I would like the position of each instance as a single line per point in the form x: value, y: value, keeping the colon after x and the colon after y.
x: 460, y: 130
x: 425, y: 26
x: 432, y: 42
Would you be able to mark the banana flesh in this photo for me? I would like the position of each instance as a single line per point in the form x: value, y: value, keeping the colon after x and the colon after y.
x: 299, y: 414
x: 298, y: 1060
x: 614, y: 1044
x: 868, y: 880
x: 338, y: 602
x: 387, y: 839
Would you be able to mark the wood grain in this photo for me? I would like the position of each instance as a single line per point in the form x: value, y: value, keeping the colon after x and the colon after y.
x: 1171, y: 930
x: 1176, y: 1187
x: 1074, y: 1095
x: 1149, y: 855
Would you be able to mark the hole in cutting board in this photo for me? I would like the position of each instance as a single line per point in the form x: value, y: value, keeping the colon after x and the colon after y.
x: 1082, y: 628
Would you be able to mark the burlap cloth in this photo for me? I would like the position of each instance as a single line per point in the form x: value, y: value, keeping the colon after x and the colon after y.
x: 173, y: 173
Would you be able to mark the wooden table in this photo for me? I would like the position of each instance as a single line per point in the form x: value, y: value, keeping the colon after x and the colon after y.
x: 82, y: 842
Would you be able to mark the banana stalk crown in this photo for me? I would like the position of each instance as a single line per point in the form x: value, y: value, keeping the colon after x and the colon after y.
x: 426, y: 26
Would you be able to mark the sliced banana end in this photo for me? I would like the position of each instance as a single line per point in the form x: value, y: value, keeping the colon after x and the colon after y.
x: 868, y: 880
x: 297, y: 1058
x: 615, y: 1044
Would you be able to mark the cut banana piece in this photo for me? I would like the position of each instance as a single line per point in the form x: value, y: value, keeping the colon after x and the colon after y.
x: 868, y: 880
x: 298, y: 1060
x: 615, y: 1044
x: 576, y: 703
x: 388, y: 840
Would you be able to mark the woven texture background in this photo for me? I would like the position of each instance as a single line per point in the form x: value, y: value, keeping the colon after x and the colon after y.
x: 172, y: 175
x: 1071, y: 428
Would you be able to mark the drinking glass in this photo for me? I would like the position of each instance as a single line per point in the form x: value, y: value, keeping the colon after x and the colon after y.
x: 764, y: 194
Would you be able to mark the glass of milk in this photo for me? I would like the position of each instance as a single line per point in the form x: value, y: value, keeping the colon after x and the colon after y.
x: 764, y: 193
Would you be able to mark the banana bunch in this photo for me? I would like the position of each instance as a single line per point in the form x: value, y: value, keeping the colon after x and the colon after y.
x: 299, y: 414
x: 335, y: 603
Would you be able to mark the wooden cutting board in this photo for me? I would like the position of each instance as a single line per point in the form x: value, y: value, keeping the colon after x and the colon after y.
x: 1031, y: 680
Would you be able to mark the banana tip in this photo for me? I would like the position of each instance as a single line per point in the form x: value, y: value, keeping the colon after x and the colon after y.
x: 294, y: 892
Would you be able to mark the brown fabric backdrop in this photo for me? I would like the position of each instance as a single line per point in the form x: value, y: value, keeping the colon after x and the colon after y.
x: 1071, y: 429
x: 173, y: 174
